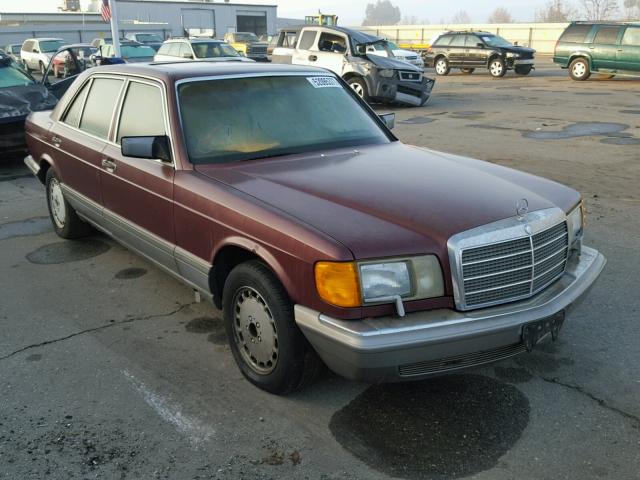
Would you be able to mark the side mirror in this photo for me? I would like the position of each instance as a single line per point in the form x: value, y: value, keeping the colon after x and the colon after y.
x: 361, y: 49
x: 153, y: 148
x: 480, y: 45
x: 389, y: 120
x: 35, y: 50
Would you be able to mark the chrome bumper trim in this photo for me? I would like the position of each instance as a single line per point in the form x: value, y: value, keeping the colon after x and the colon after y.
x: 32, y: 165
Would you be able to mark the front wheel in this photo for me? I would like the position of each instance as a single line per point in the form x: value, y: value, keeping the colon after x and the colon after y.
x: 64, y: 218
x: 359, y: 86
x: 524, y: 69
x: 497, y: 68
x: 269, y: 348
x: 442, y: 66
x: 579, y: 69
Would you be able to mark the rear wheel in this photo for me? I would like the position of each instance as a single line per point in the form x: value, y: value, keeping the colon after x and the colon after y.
x: 442, y: 66
x: 467, y: 71
x: 524, y: 69
x: 497, y: 68
x: 359, y: 86
x: 270, y: 350
x: 579, y: 69
x: 64, y: 218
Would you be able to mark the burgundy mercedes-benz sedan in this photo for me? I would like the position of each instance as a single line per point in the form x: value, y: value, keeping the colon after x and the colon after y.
x: 281, y: 196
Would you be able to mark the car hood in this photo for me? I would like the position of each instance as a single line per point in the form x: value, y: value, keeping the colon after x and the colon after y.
x: 516, y: 49
x: 18, y: 102
x: 389, y: 200
x: 386, y: 62
x: 405, y: 53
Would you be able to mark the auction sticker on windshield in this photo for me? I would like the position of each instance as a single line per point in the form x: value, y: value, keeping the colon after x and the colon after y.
x: 323, y: 82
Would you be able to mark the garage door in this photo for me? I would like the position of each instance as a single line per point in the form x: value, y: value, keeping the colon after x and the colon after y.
x: 198, y: 22
x: 255, y: 22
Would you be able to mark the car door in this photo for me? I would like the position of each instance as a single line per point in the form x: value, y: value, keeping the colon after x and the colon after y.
x: 79, y: 139
x: 138, y: 193
x: 456, y: 50
x: 628, y: 55
x: 303, y: 55
x: 604, y: 49
x: 330, y: 51
x: 475, y: 52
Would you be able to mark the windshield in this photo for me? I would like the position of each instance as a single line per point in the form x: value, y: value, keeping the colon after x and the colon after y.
x: 15, y: 49
x: 148, y: 38
x: 136, y: 51
x: 14, y: 77
x: 495, y: 41
x: 246, y: 37
x: 213, y: 50
x: 240, y: 119
x: 48, y: 46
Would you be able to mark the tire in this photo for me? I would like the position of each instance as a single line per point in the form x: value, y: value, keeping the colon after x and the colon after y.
x: 524, y: 69
x: 497, y: 67
x: 467, y: 71
x: 442, y: 66
x: 42, y: 68
x: 579, y: 69
x: 64, y: 218
x: 257, y: 309
x: 359, y: 86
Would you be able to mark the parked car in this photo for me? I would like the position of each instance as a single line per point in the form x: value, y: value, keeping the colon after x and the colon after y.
x: 130, y: 52
x: 198, y: 49
x: 152, y: 40
x: 344, y: 52
x: 13, y: 50
x: 71, y: 60
x: 589, y: 47
x: 37, y: 52
x: 20, y: 94
x: 322, y: 235
x: 384, y: 48
x: 248, y: 44
x: 468, y: 51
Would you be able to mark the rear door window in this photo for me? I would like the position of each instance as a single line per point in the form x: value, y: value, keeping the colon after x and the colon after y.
x: 458, y: 41
x: 307, y: 40
x: 98, y: 110
x: 576, y: 33
x: 72, y: 117
x: 632, y: 37
x: 607, y: 35
x: 142, y: 113
x: 443, y: 41
x: 472, y: 41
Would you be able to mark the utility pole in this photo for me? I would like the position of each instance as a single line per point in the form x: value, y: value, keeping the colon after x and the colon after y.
x: 115, y: 34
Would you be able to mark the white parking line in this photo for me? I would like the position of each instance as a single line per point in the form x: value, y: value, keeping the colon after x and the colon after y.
x: 194, y: 429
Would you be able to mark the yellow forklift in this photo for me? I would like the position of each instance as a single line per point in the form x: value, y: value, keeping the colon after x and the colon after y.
x: 321, y: 19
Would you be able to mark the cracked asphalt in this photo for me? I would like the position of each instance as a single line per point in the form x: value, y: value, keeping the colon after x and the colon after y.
x: 110, y: 370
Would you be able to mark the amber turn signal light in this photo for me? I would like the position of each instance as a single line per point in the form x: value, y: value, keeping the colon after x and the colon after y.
x: 337, y: 283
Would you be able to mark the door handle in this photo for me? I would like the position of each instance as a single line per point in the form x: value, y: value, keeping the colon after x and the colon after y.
x: 313, y: 58
x: 109, y: 165
x: 56, y: 141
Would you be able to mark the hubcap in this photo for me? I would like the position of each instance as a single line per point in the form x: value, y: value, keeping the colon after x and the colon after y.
x: 255, y: 331
x: 358, y: 89
x: 496, y: 68
x: 441, y: 67
x: 56, y: 201
x: 579, y: 69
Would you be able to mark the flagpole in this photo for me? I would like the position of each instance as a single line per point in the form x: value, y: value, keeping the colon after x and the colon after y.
x: 115, y: 34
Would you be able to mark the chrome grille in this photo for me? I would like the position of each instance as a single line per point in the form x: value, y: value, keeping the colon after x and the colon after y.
x: 410, y: 76
x: 513, y: 269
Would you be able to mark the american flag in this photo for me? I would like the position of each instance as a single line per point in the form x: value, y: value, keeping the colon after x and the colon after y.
x: 105, y: 10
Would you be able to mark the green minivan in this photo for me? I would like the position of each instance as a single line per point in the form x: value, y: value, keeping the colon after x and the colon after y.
x: 610, y: 48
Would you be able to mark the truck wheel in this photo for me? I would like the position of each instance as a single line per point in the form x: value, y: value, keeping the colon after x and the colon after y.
x: 579, y: 69
x: 467, y: 71
x: 442, y: 66
x: 359, y: 86
x: 497, y: 68
x: 64, y: 218
x: 266, y: 343
x: 524, y: 69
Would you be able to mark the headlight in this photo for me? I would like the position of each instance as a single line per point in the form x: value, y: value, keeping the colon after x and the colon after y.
x: 388, y: 73
x: 383, y: 280
x: 575, y: 222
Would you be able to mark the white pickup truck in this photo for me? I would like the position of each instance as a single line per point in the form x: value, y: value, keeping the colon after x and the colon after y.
x: 343, y: 51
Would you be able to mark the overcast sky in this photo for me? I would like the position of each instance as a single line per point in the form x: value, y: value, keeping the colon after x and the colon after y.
x: 351, y: 12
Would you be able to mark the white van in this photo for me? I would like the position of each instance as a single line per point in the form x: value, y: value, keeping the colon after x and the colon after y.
x: 37, y: 52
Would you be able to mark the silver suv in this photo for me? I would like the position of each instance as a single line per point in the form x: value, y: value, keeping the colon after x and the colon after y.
x: 37, y: 52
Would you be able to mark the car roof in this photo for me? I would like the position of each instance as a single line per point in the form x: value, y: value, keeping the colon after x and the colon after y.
x: 195, y: 40
x: 174, y: 71
x: 357, y: 35
x: 44, y: 39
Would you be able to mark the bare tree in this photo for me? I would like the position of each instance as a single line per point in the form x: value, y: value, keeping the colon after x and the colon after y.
x: 632, y: 9
x: 383, y: 12
x: 600, y: 9
x: 500, y: 15
x: 461, y: 17
x: 556, y: 11
x: 409, y: 20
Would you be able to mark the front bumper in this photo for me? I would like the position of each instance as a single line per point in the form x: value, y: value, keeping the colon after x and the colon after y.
x: 433, y: 342
x: 395, y: 91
